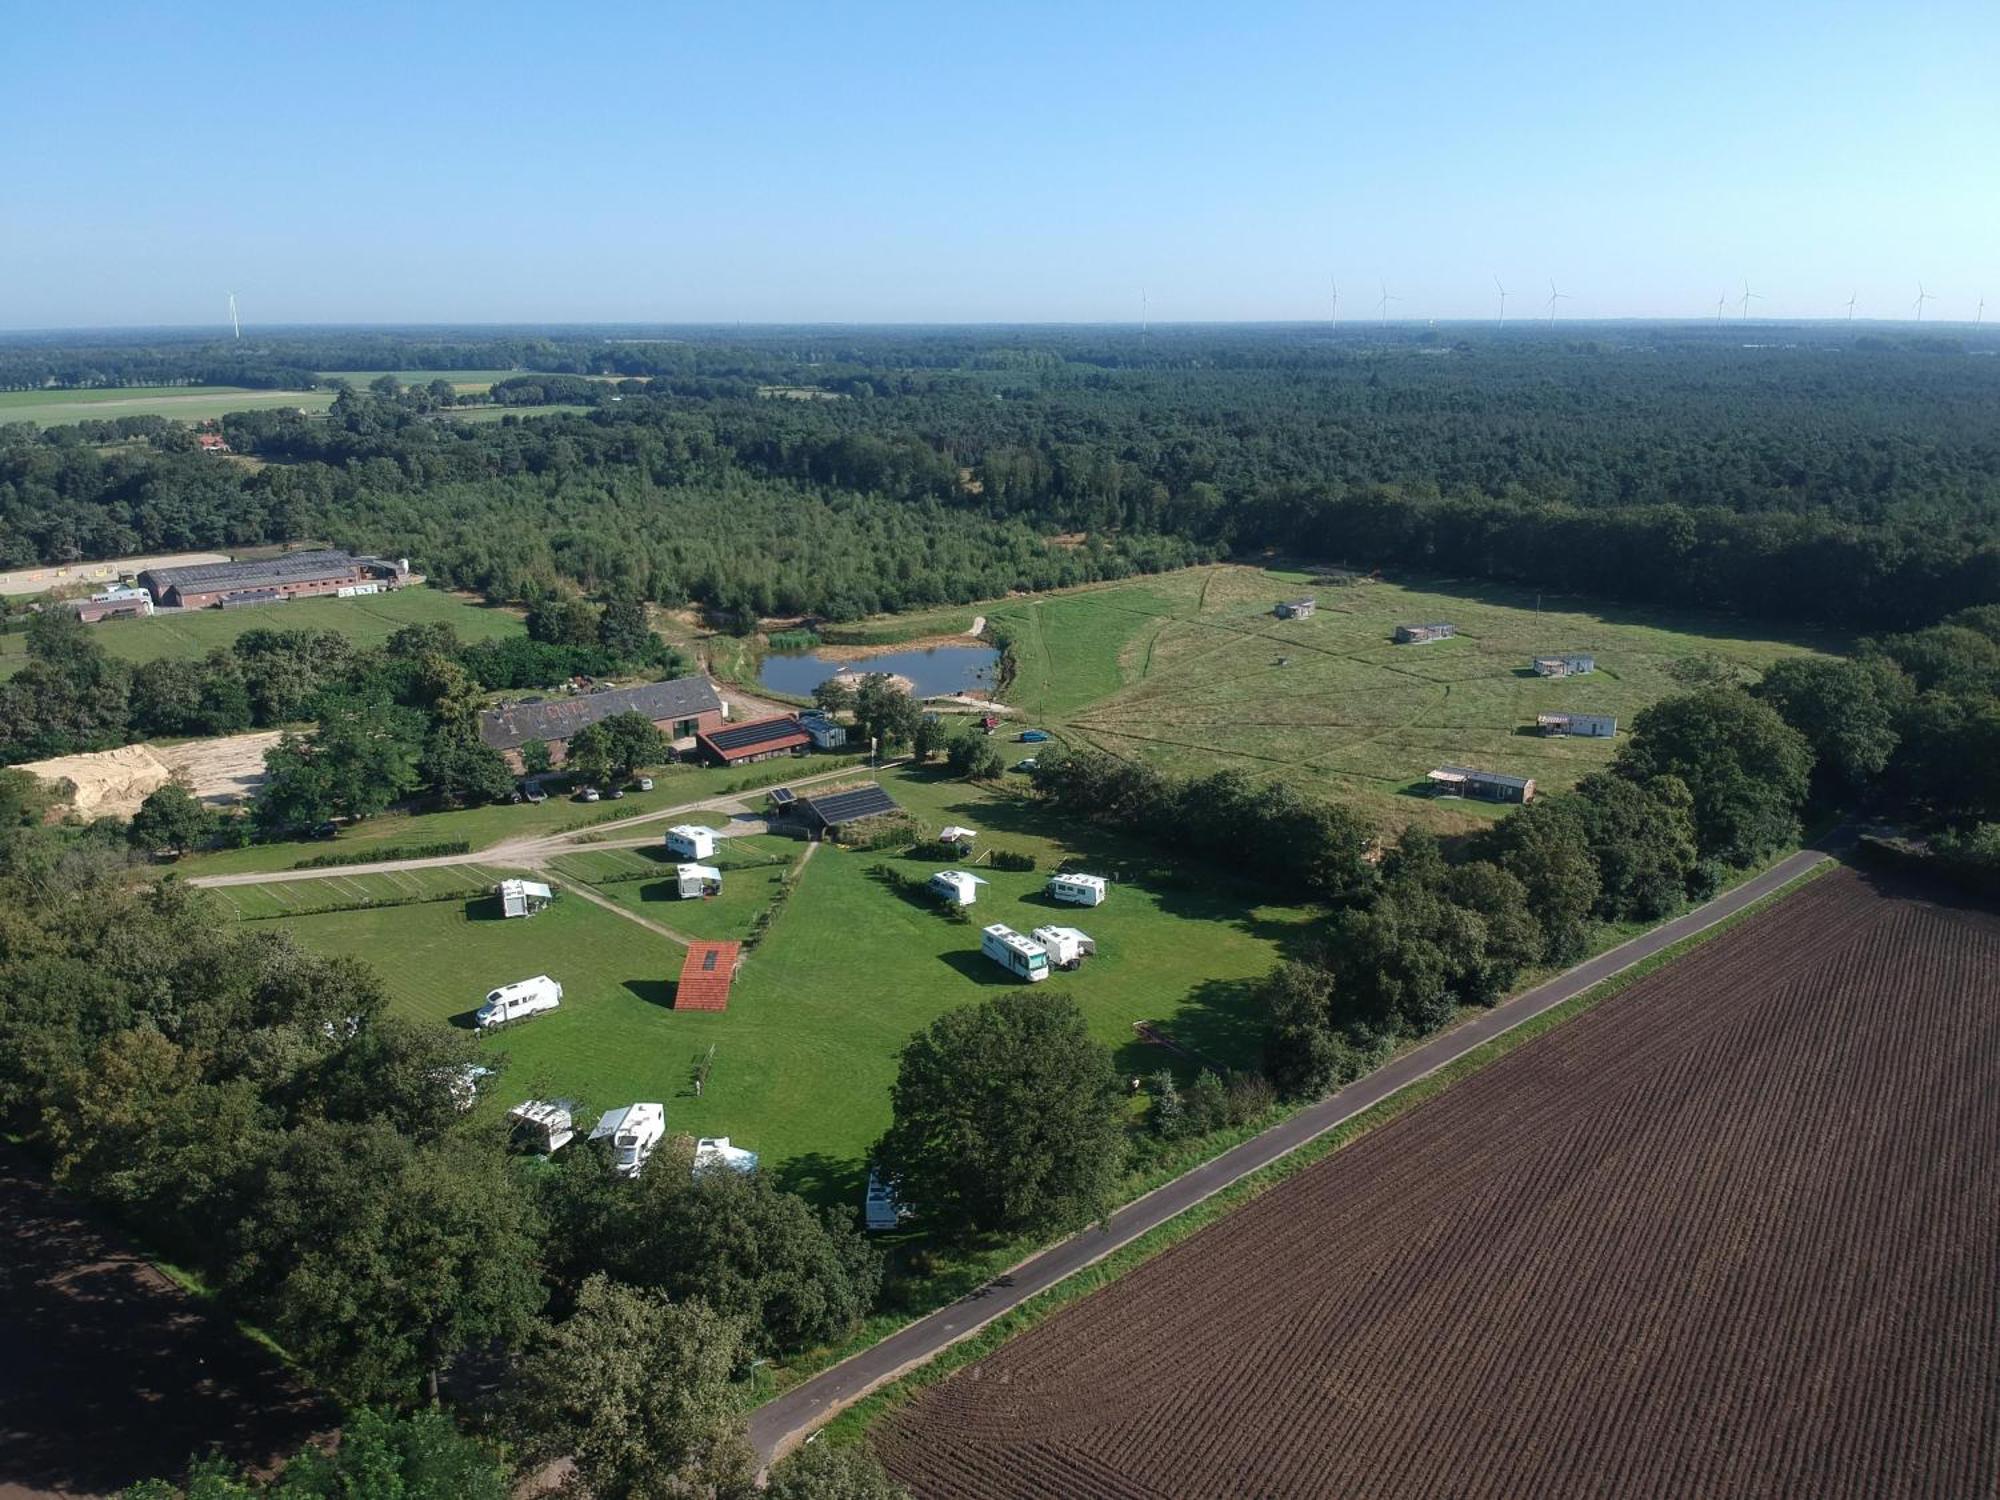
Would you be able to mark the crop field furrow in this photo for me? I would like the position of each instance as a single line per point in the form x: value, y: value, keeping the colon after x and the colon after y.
x: 1729, y: 1233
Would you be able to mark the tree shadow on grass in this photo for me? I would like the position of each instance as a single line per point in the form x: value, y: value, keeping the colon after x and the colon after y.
x: 658, y: 992
x: 832, y: 1181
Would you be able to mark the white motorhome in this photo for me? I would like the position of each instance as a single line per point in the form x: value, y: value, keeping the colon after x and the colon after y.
x: 697, y: 880
x: 1066, y: 946
x: 691, y: 841
x: 959, y: 887
x: 523, y: 898
x: 1017, y: 955
x: 635, y: 1131
x: 543, y: 1126
x: 1078, y: 890
x: 713, y: 1152
x: 879, y: 1209
x: 519, y: 1000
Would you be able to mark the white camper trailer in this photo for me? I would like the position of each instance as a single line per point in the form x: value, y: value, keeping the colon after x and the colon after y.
x: 697, y: 880
x: 543, y: 1126
x: 691, y: 841
x: 879, y: 1208
x: 519, y: 1000
x: 635, y: 1131
x: 959, y: 887
x: 1066, y: 946
x: 1078, y: 890
x: 716, y: 1152
x: 1014, y: 953
x: 958, y: 833
x: 523, y: 898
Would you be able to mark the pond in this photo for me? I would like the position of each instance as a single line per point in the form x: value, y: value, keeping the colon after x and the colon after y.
x: 934, y: 669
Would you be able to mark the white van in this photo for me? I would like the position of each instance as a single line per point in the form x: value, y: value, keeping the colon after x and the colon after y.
x: 519, y: 1000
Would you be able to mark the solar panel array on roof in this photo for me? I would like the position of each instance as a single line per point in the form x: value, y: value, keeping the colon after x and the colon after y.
x: 782, y: 796
x: 850, y: 805
x: 762, y: 731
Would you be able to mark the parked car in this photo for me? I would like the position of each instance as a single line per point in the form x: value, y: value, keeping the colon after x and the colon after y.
x: 325, y: 830
x: 643, y: 784
x: 518, y: 1001
x: 879, y: 1209
x: 1026, y: 765
x: 587, y: 794
x: 531, y: 791
x: 1032, y: 736
x: 615, y: 793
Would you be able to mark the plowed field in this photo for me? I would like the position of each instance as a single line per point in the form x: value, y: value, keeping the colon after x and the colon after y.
x: 1731, y: 1233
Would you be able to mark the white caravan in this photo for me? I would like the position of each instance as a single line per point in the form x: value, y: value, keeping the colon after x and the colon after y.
x: 543, y: 1126
x: 1014, y: 953
x: 1066, y: 946
x: 519, y: 1000
x: 635, y: 1131
x: 879, y: 1209
x: 713, y: 1152
x: 1077, y: 890
x: 697, y: 880
x: 691, y: 841
x: 959, y: 887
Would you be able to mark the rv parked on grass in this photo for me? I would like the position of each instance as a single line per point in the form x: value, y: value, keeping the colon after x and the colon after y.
x: 697, y: 880
x: 691, y: 841
x: 879, y: 1208
x: 519, y: 1000
x: 635, y: 1131
x: 1017, y: 955
x: 1078, y: 890
x: 1067, y: 947
x: 543, y: 1126
x: 711, y: 1153
x: 959, y: 887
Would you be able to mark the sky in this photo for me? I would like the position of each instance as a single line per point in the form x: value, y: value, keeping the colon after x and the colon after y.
x: 1076, y: 162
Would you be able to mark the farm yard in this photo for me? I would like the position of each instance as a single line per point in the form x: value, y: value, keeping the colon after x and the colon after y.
x: 366, y: 621
x: 1189, y: 671
x: 1725, y: 1234
x: 849, y: 968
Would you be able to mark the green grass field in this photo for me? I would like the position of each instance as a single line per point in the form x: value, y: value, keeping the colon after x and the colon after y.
x: 495, y: 413
x: 753, y: 870
x: 1190, y: 672
x: 464, y: 382
x: 185, y: 403
x: 367, y: 622
x: 806, y: 1053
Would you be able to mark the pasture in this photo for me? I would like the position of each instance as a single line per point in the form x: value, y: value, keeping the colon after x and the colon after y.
x: 184, y: 403
x: 367, y: 621
x: 1190, y: 672
x: 850, y: 968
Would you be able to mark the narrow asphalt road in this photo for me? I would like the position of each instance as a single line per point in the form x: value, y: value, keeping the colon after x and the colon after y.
x: 781, y: 1424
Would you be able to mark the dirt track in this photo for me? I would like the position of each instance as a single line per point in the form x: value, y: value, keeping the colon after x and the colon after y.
x: 110, y: 1374
x: 1730, y: 1234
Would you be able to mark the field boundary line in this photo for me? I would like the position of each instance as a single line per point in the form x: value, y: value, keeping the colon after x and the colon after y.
x: 780, y: 1424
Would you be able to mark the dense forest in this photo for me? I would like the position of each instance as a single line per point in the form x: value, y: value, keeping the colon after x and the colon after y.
x: 1812, y: 474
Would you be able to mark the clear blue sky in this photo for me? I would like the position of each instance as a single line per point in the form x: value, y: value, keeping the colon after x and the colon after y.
x: 739, y: 160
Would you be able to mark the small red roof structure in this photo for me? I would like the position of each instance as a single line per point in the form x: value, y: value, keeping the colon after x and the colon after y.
x: 733, y: 744
x: 705, y: 976
x: 212, y: 442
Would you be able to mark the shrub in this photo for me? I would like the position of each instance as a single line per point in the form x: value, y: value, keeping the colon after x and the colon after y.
x: 371, y: 856
x: 1008, y: 859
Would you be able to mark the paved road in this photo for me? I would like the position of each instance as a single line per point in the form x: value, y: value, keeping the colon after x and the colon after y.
x: 781, y: 1424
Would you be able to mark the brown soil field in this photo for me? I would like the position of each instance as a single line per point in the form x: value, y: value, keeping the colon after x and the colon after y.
x: 1730, y: 1233
x: 112, y: 1374
x: 112, y: 783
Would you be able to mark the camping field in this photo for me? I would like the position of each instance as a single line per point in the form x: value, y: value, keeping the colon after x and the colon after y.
x: 367, y: 622
x: 806, y: 1053
x: 1189, y: 671
x: 184, y: 403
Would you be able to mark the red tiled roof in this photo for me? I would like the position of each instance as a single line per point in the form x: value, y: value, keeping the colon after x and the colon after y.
x: 758, y: 737
x: 705, y: 976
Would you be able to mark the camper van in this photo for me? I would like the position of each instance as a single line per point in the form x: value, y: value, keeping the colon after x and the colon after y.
x: 519, y: 1000
x: 691, y: 841
x: 1077, y: 890
x: 1066, y: 946
x: 879, y: 1209
x: 635, y: 1131
x: 1014, y: 953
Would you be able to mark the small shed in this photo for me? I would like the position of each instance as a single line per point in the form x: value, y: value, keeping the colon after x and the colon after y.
x: 523, y: 898
x: 1565, y: 664
x: 831, y: 810
x: 780, y: 801
x: 1416, y: 635
x: 691, y: 841
x: 826, y: 734
x: 1588, y: 726
x: 697, y: 880
x: 1078, y: 890
x: 1296, y: 609
x: 1067, y: 947
x: 959, y: 887
x: 1486, y: 786
x: 712, y: 1153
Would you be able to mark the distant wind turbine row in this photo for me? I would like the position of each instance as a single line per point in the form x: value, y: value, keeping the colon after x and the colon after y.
x: 1742, y: 300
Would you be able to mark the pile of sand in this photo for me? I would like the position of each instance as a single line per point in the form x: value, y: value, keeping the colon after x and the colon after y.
x: 112, y: 783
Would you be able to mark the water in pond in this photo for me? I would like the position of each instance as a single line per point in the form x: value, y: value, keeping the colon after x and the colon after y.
x: 934, y: 670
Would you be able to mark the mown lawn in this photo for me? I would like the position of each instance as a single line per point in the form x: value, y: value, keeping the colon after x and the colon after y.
x: 184, y: 403
x: 753, y: 871
x: 806, y: 1053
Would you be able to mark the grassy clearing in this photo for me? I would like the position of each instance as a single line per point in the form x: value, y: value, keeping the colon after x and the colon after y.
x: 185, y: 403
x: 851, y: 1425
x: 286, y: 898
x: 367, y: 621
x: 462, y: 382
x: 753, y: 871
x: 495, y: 413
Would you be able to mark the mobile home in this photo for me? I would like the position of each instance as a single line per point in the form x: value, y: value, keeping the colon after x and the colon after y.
x: 523, y: 898
x: 711, y: 1153
x: 543, y: 1126
x: 1487, y: 786
x: 519, y: 1000
x: 959, y: 887
x: 1569, y: 664
x: 691, y: 841
x: 1078, y: 890
x: 697, y: 880
x: 1416, y: 635
x: 1066, y: 946
x: 1014, y: 953
x: 1589, y: 726
x: 635, y: 1131
x: 1296, y: 609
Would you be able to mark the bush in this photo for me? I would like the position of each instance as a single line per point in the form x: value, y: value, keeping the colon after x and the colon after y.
x: 371, y: 856
x: 1008, y: 859
x: 891, y: 830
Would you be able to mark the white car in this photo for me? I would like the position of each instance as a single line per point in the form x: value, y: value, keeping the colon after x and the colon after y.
x: 518, y: 1001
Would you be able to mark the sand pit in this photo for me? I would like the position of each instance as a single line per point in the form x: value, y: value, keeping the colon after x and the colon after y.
x: 112, y: 783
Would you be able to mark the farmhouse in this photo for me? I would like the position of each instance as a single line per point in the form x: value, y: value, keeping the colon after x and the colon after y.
x: 1572, y: 664
x: 291, y: 575
x: 1077, y: 890
x: 1296, y: 609
x: 1590, y: 726
x: 760, y: 739
x: 1487, y: 786
x: 523, y: 898
x: 705, y: 976
x: 835, y: 810
x: 959, y: 887
x: 679, y: 708
x: 697, y: 880
x: 826, y: 735
x: 691, y: 841
x: 1416, y: 635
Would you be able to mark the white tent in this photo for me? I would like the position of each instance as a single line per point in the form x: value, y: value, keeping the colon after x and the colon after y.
x: 958, y: 833
x: 523, y: 898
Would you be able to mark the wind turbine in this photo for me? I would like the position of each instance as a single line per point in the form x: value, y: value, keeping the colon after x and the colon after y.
x: 1850, y: 306
x: 1382, y: 307
x: 233, y: 323
x: 1503, y: 301
x: 1980, y: 316
x: 1720, y: 303
x: 1336, y: 303
x: 1922, y: 297
x: 1749, y: 297
x: 1555, y: 297
x: 1144, y: 311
